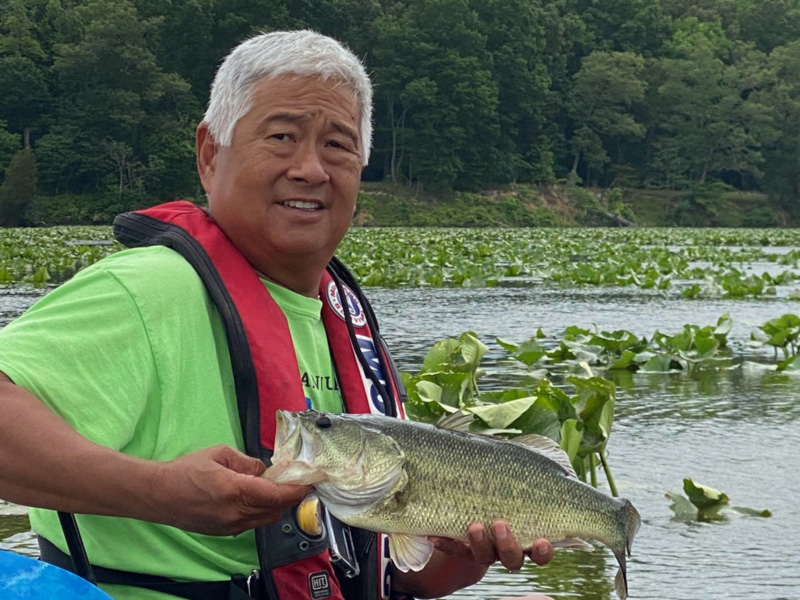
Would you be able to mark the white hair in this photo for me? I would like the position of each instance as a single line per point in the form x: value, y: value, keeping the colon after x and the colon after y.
x: 268, y: 55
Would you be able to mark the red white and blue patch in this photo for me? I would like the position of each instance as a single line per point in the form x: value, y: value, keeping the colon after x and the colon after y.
x: 357, y: 314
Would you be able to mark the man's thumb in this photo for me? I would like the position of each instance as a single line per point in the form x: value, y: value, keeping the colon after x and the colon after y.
x: 239, y: 462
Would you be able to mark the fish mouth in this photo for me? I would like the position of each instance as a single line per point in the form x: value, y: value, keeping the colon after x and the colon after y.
x: 294, y: 452
x: 288, y: 441
x: 286, y: 427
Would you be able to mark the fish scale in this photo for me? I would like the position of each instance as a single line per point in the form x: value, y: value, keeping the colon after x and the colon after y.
x: 410, y: 479
x: 448, y: 461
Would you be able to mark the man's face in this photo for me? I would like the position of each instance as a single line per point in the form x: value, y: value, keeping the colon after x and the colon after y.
x: 285, y: 189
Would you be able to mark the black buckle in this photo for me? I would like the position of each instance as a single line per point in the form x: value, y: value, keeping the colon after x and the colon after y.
x: 253, y: 587
x: 341, y: 549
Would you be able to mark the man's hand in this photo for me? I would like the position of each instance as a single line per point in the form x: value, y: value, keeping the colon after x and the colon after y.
x: 456, y: 565
x: 214, y: 491
x: 501, y: 545
x: 219, y: 491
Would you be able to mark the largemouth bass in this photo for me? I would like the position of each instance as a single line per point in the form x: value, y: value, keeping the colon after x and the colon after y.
x: 412, y: 480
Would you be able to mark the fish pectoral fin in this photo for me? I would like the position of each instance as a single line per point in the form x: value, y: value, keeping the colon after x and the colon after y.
x: 409, y: 552
x: 574, y: 543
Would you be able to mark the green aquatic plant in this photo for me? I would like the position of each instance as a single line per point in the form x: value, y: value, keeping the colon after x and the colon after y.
x: 694, y: 347
x: 45, y: 256
x: 696, y: 263
x: 782, y: 334
x: 581, y: 421
x: 703, y: 503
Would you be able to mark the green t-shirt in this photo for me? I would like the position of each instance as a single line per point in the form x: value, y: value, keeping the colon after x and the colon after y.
x: 304, y: 316
x: 133, y: 354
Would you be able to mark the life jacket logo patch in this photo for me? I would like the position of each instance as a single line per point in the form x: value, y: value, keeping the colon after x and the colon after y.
x: 357, y: 313
x: 319, y: 586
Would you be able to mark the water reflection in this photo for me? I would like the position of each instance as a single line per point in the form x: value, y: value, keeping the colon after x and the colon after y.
x: 757, y: 396
x: 15, y: 532
x: 571, y: 574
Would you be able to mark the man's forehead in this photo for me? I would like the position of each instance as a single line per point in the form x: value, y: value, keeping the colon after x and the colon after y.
x: 297, y: 99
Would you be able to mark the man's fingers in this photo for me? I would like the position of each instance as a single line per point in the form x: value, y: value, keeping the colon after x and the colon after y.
x: 262, y: 493
x: 487, y: 547
x: 481, y: 545
x: 237, y: 461
x: 508, y: 550
x: 541, y: 552
x: 451, y: 547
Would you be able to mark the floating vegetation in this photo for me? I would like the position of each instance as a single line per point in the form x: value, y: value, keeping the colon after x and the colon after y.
x: 579, y: 412
x: 695, y: 263
x: 782, y: 334
x: 580, y: 421
x: 699, y: 263
x: 46, y: 256
x: 703, y: 503
x: 695, y: 347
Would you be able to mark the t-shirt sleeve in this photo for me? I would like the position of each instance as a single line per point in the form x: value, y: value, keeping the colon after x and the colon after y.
x: 84, y: 351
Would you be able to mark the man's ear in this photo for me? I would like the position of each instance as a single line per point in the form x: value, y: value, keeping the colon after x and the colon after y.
x: 206, y: 148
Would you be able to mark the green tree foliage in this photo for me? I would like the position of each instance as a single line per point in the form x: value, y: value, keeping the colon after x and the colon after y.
x: 9, y: 144
x: 637, y: 26
x: 117, y: 107
x: 19, y: 190
x: 23, y: 76
x: 782, y: 157
x: 604, y: 91
x: 705, y: 124
x: 770, y: 23
x: 469, y: 94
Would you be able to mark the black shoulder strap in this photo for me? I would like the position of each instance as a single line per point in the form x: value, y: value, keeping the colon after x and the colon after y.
x: 77, y: 551
x: 231, y: 589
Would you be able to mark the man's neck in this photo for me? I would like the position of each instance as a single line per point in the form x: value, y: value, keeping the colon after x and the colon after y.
x: 298, y: 282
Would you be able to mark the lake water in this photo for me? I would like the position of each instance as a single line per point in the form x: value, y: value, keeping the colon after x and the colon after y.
x: 734, y: 430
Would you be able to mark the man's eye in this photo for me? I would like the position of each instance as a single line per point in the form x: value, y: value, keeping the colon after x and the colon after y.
x: 281, y: 137
x: 338, y: 144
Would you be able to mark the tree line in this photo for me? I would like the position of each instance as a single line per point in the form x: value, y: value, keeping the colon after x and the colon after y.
x: 469, y: 94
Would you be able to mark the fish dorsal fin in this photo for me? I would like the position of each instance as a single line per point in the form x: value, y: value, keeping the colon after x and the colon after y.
x: 410, y: 552
x: 457, y: 421
x: 546, y: 447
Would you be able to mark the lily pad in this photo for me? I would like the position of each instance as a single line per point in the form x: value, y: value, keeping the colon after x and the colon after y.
x: 704, y: 503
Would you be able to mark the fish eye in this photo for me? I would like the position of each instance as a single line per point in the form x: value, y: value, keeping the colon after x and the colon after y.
x: 324, y: 422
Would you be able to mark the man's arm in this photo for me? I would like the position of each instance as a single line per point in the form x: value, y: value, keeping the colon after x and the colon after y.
x: 45, y: 463
x: 456, y: 565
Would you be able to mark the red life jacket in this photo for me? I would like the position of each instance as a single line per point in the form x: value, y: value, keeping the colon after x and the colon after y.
x: 267, y: 376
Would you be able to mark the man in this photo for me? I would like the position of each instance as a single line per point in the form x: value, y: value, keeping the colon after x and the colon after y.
x: 130, y: 393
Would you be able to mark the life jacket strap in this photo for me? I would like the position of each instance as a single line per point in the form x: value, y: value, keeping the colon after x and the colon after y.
x: 237, y: 587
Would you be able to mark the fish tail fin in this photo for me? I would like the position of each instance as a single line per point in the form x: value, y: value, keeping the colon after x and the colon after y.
x: 630, y: 521
x: 621, y: 581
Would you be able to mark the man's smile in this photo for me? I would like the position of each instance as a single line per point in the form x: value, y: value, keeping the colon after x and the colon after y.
x: 302, y: 204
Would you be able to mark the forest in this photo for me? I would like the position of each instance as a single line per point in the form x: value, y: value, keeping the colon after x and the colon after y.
x: 99, y: 99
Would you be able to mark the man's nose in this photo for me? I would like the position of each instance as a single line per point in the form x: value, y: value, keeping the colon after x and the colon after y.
x: 308, y: 165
